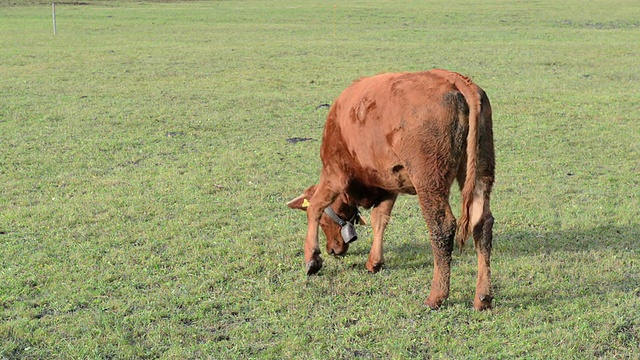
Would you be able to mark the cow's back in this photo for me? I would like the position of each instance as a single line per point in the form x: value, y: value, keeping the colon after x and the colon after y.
x: 378, y: 124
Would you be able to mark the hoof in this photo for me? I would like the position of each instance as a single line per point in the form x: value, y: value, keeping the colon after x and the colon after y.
x: 373, y: 268
x: 433, y: 304
x: 314, y: 265
x: 482, y: 302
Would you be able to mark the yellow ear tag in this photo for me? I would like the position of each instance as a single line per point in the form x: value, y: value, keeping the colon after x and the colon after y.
x: 305, y: 204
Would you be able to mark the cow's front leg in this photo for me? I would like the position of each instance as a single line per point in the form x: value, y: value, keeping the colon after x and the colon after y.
x: 321, y: 199
x: 380, y: 216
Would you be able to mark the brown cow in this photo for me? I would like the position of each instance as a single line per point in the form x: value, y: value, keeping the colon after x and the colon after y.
x: 410, y: 133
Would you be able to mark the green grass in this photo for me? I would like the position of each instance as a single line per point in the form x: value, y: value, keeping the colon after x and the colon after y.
x: 144, y: 169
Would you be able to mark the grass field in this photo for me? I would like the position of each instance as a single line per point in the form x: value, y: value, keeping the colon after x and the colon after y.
x: 144, y: 168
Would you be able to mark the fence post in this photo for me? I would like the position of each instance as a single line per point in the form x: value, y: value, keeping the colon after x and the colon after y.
x: 53, y: 9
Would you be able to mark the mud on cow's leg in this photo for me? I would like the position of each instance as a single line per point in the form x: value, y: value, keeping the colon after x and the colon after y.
x: 312, y: 258
x: 314, y: 264
x: 321, y: 199
x: 442, y: 225
x: 442, y: 246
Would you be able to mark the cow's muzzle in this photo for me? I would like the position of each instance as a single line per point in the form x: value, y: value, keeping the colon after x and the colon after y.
x: 348, y: 229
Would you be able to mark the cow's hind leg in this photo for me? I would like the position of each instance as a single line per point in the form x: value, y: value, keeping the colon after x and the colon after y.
x: 442, y: 226
x: 482, y: 222
x: 322, y: 198
x: 482, y: 227
x: 379, y: 219
x: 481, y: 218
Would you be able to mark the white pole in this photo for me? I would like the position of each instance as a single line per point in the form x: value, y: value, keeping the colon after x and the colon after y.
x: 334, y: 20
x: 53, y: 9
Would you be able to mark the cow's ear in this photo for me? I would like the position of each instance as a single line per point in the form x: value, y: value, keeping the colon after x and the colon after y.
x: 301, y: 202
x: 361, y: 220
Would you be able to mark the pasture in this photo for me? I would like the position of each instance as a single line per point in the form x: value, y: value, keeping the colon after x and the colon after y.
x: 145, y: 166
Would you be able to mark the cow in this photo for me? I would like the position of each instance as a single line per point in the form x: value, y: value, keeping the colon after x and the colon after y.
x: 406, y: 133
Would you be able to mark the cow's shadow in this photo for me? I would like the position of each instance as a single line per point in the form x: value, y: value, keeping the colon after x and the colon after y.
x: 543, y: 249
x: 521, y: 243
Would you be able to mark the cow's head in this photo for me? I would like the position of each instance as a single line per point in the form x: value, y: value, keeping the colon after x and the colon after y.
x: 336, y: 244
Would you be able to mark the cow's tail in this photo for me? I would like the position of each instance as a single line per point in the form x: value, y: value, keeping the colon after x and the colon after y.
x: 470, y: 92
